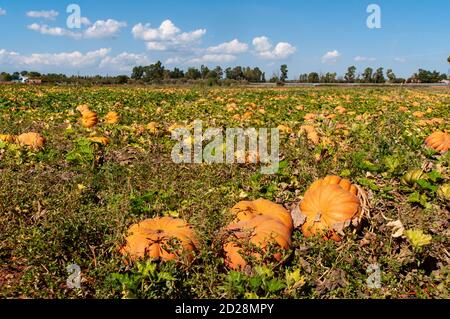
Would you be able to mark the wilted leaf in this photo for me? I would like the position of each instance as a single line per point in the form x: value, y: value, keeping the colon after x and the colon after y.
x: 397, y: 228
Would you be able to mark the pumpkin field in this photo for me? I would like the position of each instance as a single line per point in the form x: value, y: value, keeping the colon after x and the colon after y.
x: 359, y: 207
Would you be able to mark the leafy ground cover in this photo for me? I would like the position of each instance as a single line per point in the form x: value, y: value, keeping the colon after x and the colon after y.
x: 73, y: 201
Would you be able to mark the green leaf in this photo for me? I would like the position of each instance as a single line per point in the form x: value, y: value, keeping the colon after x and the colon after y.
x: 434, y: 176
x: 255, y: 283
x: 275, y: 285
x: 426, y: 185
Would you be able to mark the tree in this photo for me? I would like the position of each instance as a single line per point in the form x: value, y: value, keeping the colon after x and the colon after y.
x: 154, y: 72
x: 5, y: 77
x: 367, y: 75
x: 176, y: 74
x: 284, y: 73
x: 303, y: 78
x: 122, y: 79
x: 425, y: 76
x: 379, y: 76
x: 313, y: 77
x: 15, y: 76
x: 34, y: 74
x: 350, y: 75
x: 193, y: 74
x: 219, y: 72
x: 138, y: 73
x: 204, y: 70
x: 329, y: 78
x: 391, y: 76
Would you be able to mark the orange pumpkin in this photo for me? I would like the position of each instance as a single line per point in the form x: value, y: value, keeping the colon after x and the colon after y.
x: 336, y: 180
x: 309, y: 117
x: 8, y: 138
x: 439, y: 141
x: 35, y: 141
x: 164, y: 238
x: 260, y: 231
x: 99, y: 140
x: 89, y: 119
x: 246, y: 210
x: 327, y: 209
x: 112, y: 118
x: 152, y: 127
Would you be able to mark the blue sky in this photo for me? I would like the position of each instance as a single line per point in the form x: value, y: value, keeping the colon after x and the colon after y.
x: 323, y: 36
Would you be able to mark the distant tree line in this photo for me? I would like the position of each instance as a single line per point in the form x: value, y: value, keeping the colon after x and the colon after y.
x: 158, y: 74
x: 372, y: 76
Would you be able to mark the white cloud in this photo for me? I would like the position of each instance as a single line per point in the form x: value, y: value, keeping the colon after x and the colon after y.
x: 100, y: 29
x: 156, y: 46
x: 56, y: 31
x: 2, y: 12
x: 166, y: 36
x: 363, y: 59
x: 175, y: 60
x: 104, y: 29
x: 331, y: 57
x: 73, y: 59
x: 232, y: 47
x: 400, y: 60
x: 214, y: 58
x: 266, y: 51
x: 262, y: 44
x: 124, y: 61
x: 100, y: 60
x: 48, y: 15
x: 85, y: 21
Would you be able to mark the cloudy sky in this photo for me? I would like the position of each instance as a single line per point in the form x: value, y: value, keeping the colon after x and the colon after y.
x: 113, y: 36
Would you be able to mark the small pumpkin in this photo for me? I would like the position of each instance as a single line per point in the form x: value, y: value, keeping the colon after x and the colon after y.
x: 336, y: 180
x: 89, y: 119
x: 163, y: 238
x: 412, y: 176
x: 152, y: 127
x: 112, y: 118
x: 35, y: 141
x: 284, y: 129
x: 260, y: 231
x: 8, y: 138
x: 174, y: 127
x: 246, y: 210
x: 99, y: 140
x: 309, y: 117
x: 327, y: 209
x: 439, y: 141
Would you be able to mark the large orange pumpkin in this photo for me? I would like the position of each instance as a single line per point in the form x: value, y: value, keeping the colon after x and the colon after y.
x: 162, y: 238
x: 439, y: 141
x: 35, y: 141
x: 246, y: 210
x: 260, y: 232
x: 336, y: 180
x: 328, y: 209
